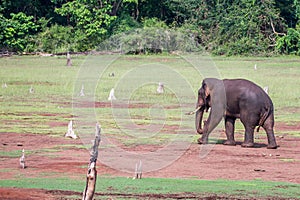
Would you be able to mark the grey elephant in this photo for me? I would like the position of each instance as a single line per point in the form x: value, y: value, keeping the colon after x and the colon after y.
x: 232, y: 99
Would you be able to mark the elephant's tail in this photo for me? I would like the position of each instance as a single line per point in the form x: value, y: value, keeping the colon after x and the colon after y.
x: 264, y: 117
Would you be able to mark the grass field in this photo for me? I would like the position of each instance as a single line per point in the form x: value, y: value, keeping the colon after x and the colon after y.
x: 55, y: 89
x: 184, y: 188
x: 53, y: 83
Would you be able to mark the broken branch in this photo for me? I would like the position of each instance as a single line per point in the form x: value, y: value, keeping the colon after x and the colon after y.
x: 92, y: 172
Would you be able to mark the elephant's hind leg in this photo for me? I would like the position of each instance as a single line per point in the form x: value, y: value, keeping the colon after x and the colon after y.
x: 229, y: 129
x: 249, y: 137
x: 268, y: 127
x: 271, y: 139
x: 249, y: 121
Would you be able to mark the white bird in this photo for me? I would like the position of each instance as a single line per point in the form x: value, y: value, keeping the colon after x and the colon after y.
x: 160, y: 88
x: 31, y: 90
x: 112, y: 95
x: 255, y: 67
x: 22, y: 160
x: 266, y: 89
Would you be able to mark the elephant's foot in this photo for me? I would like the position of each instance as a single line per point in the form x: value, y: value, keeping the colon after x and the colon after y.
x: 201, y: 141
x: 229, y: 142
x: 247, y: 145
x: 200, y: 131
x: 272, y: 146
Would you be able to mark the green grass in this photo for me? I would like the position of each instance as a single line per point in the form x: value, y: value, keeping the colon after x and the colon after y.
x: 115, y: 185
x: 288, y: 160
x: 12, y: 154
x: 22, y: 112
x: 44, y: 152
x: 54, y: 84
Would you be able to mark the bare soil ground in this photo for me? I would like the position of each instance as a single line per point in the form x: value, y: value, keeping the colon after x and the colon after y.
x: 54, y: 156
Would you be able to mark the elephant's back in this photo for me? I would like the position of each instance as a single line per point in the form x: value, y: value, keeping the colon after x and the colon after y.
x: 246, y: 92
x: 243, y: 86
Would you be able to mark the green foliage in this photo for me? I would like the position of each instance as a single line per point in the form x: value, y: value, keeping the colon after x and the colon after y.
x: 287, y: 11
x: 297, y: 8
x: 17, y: 31
x: 289, y: 43
x: 89, y: 19
x: 153, y: 9
x: 153, y: 23
x: 122, y: 24
x: 235, y: 27
x: 297, y: 11
x: 56, y: 39
x: 245, y: 28
x: 153, y: 39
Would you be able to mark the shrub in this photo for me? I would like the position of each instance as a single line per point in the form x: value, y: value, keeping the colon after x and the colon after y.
x: 56, y: 39
x: 289, y: 43
x: 16, y: 32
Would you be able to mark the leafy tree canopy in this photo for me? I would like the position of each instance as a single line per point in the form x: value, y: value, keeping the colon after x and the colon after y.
x: 224, y: 27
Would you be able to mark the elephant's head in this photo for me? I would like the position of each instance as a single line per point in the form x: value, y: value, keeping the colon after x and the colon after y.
x: 210, y: 95
x: 203, y: 104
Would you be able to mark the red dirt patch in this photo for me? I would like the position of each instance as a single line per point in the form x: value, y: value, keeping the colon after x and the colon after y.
x: 64, y: 158
x: 24, y: 194
x: 287, y: 127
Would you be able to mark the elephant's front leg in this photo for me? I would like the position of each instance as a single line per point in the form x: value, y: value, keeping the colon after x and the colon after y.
x: 204, y: 137
x: 229, y: 129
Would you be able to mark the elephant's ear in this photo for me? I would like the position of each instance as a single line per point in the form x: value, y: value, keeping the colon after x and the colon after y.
x: 216, y: 90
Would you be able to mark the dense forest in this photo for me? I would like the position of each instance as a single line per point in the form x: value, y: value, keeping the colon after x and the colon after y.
x: 222, y: 27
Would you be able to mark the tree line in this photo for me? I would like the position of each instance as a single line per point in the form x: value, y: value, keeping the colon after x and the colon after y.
x: 222, y: 27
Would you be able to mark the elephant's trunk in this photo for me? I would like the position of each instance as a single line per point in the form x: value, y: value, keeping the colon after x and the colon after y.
x: 198, y: 120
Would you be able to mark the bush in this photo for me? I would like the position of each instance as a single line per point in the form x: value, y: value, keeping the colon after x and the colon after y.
x: 122, y: 24
x: 56, y: 39
x: 289, y: 43
x: 17, y: 32
x: 152, y: 39
x: 243, y: 46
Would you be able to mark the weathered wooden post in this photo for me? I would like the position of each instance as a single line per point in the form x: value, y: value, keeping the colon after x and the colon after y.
x: 22, y: 160
x: 4, y: 85
x: 92, y: 172
x: 70, y: 133
x: 138, y: 170
x: 82, y: 91
x: 69, y: 62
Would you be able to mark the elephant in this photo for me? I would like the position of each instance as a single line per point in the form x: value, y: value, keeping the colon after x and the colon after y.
x: 232, y: 99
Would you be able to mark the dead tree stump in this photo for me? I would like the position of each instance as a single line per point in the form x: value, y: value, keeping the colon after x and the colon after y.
x: 92, y: 172
x: 22, y: 160
x: 138, y: 170
x: 69, y: 62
